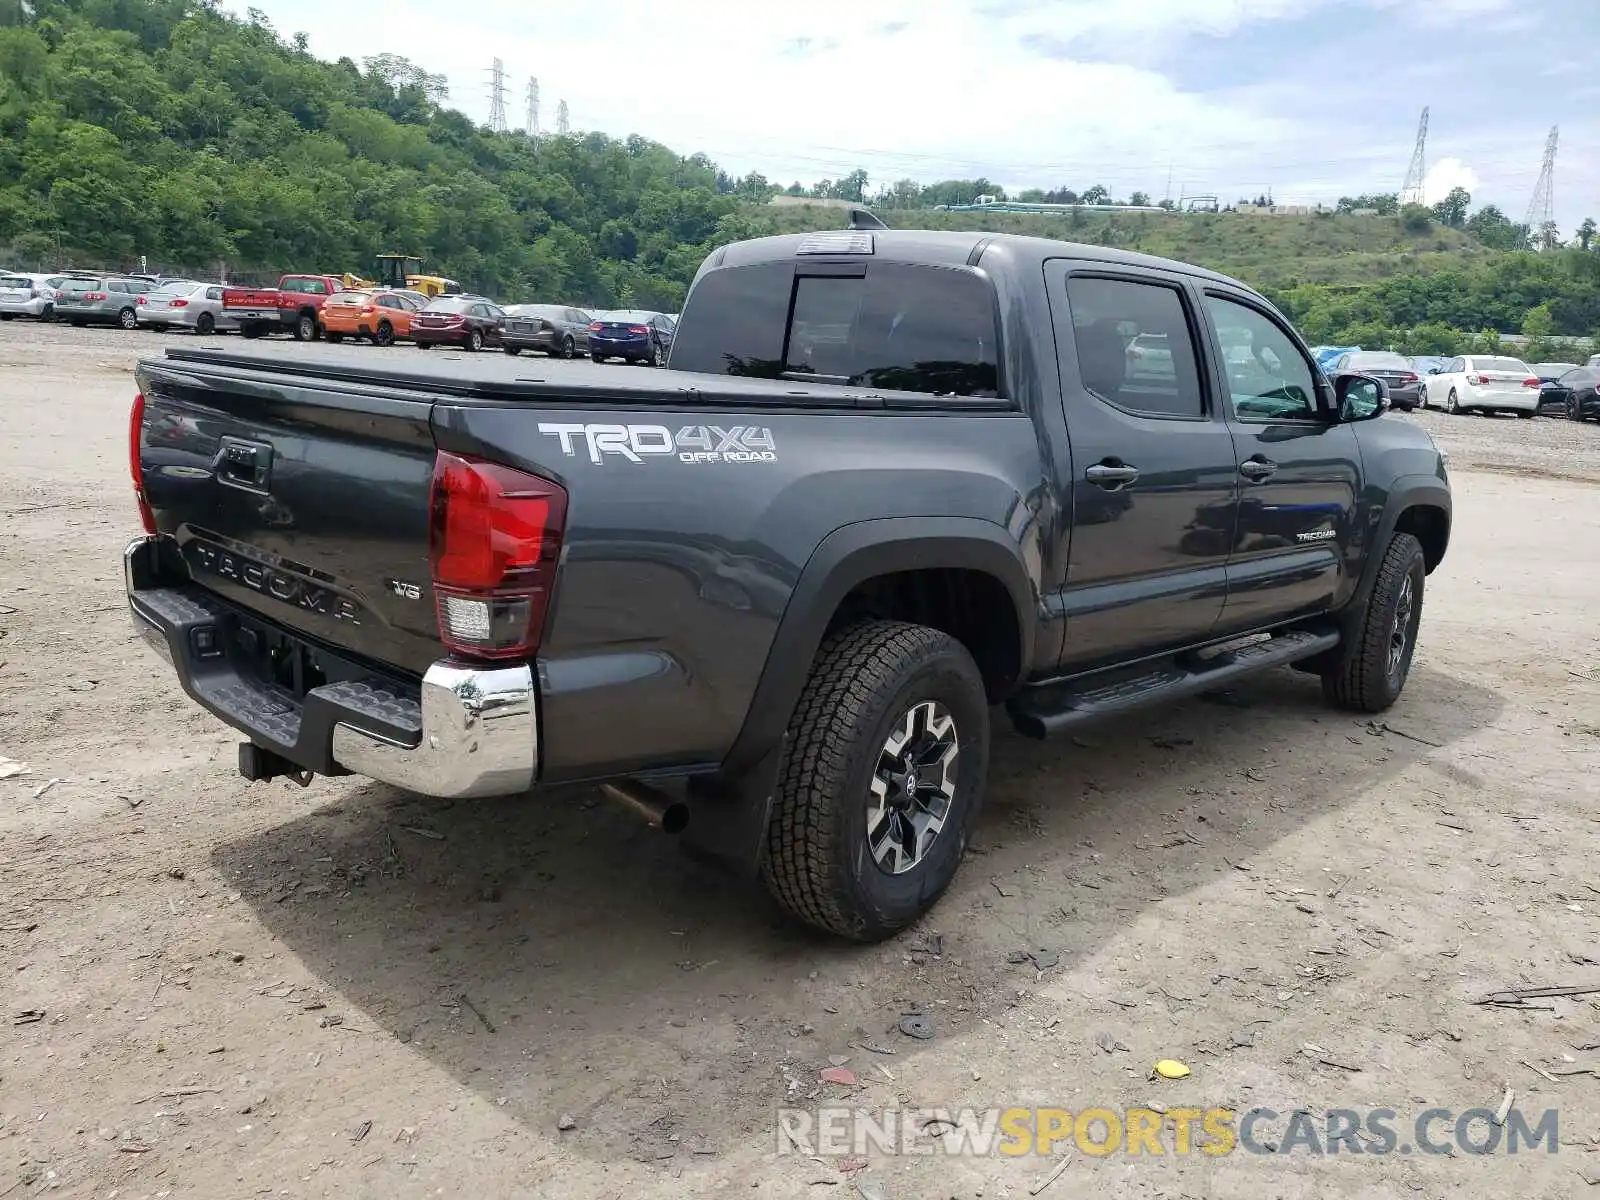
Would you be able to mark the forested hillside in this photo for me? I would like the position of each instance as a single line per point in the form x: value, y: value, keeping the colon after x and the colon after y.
x: 171, y: 130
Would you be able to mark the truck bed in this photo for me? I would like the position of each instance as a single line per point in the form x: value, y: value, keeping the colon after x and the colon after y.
x: 491, y: 376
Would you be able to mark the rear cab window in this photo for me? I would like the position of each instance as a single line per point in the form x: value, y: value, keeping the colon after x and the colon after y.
x: 897, y: 326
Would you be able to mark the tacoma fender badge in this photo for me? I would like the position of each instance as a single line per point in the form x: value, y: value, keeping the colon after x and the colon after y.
x: 1316, y: 535
x: 406, y: 591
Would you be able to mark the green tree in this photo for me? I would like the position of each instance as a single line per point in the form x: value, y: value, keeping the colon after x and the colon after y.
x: 1096, y: 194
x: 1586, y: 233
x: 1452, y: 210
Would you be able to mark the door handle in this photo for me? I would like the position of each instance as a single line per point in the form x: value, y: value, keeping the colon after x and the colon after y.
x: 1111, y: 475
x: 1258, y: 468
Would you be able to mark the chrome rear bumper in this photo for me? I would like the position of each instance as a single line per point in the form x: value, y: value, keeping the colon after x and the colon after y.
x: 467, y: 730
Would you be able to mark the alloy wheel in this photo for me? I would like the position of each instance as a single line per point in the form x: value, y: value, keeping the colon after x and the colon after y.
x: 913, y: 788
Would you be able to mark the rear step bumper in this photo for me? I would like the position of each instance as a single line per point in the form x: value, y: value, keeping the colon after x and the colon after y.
x: 466, y: 731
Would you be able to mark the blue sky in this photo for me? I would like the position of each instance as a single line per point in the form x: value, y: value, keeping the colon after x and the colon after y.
x: 1310, y: 99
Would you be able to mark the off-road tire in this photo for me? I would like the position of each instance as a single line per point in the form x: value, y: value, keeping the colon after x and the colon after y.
x: 818, y: 863
x: 1359, y: 679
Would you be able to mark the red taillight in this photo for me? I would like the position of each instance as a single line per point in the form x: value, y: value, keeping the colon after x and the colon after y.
x: 495, y: 539
x: 1477, y: 380
x: 1531, y: 382
x: 135, y: 468
x: 638, y: 329
x: 138, y: 299
x: 1408, y: 378
x: 176, y: 304
x: 595, y: 327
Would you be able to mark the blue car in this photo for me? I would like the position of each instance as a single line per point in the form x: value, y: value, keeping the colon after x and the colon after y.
x: 1328, y: 355
x: 640, y: 337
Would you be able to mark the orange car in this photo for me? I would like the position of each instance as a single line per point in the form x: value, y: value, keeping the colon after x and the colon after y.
x: 382, y: 316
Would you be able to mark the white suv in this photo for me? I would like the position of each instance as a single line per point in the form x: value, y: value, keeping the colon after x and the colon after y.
x: 1483, y: 383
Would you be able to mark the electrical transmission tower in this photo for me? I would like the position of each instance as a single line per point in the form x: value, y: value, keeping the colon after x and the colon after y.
x: 1541, y: 218
x: 1411, y: 192
x: 563, y: 121
x: 497, y: 97
x: 533, y: 107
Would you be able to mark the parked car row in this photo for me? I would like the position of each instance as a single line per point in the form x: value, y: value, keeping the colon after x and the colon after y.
x: 313, y: 306
x: 1475, y: 383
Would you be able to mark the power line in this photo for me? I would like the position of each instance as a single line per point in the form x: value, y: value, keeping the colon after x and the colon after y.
x: 497, y: 97
x: 1411, y: 192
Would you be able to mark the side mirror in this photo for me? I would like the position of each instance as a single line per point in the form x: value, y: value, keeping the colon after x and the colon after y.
x: 1434, y: 370
x: 1360, y: 397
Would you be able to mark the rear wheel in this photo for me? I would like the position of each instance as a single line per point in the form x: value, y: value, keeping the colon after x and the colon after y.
x: 251, y: 331
x: 1524, y: 415
x: 205, y: 325
x: 569, y: 348
x: 385, y: 334
x: 1371, y: 669
x: 424, y: 345
x: 475, y: 340
x: 305, y: 327
x: 881, y: 779
x: 128, y: 319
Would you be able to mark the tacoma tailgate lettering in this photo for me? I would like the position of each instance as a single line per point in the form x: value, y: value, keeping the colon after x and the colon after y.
x: 692, y: 444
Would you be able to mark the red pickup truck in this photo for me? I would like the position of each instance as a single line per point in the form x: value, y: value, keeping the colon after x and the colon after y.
x: 294, y: 305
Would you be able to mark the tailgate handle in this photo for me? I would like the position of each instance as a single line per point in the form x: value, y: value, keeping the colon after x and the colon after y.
x: 243, y: 464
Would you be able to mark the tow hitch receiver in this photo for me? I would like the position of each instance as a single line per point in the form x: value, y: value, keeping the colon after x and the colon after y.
x: 259, y: 765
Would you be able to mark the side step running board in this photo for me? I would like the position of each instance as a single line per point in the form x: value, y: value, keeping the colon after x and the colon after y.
x: 1054, y: 707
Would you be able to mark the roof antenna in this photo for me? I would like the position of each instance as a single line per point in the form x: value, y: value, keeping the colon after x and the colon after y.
x: 860, y: 218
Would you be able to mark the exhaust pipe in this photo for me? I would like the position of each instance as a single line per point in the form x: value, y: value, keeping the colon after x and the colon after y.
x: 664, y: 812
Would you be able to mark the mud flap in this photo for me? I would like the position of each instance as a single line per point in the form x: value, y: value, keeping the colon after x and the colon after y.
x: 728, y: 815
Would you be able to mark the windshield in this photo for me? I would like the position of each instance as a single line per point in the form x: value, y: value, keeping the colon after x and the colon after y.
x: 350, y: 298
x: 449, y: 305
x: 81, y: 285
x: 1377, y: 361
x: 15, y: 281
x: 1554, y: 368
x: 626, y: 316
x: 178, y: 289
x: 1499, y: 364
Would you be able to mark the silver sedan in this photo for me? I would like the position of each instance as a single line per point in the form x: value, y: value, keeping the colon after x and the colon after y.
x: 185, y: 305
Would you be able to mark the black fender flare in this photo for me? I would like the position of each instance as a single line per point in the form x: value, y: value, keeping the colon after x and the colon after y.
x: 851, y: 555
x: 1407, y: 491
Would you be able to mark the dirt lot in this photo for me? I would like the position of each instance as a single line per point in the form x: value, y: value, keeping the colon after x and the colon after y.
x: 345, y: 991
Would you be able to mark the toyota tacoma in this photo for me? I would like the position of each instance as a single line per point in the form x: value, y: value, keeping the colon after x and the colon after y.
x: 893, y: 483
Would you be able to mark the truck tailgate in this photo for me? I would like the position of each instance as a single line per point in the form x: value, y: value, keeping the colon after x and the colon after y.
x: 303, y: 501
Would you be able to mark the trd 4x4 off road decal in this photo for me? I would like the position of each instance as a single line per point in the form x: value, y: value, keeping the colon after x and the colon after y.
x: 691, y: 444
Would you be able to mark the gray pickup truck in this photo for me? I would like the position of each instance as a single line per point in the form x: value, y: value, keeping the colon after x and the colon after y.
x: 892, y: 482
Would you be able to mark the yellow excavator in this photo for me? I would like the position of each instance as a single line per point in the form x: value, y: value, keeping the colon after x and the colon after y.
x: 402, y: 271
x: 405, y: 271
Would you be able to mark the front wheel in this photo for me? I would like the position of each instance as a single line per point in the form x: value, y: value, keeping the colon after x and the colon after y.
x: 1371, y: 669
x: 597, y: 358
x: 128, y: 319
x: 205, y: 325
x: 569, y: 348
x: 385, y: 334
x: 1451, y: 404
x: 475, y: 340
x: 657, y: 357
x: 881, y: 780
x: 336, y: 338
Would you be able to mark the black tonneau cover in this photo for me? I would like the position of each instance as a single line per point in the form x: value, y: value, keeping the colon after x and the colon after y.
x: 575, y: 384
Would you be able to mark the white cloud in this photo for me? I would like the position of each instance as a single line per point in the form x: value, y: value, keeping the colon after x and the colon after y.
x: 1444, y: 175
x: 814, y: 90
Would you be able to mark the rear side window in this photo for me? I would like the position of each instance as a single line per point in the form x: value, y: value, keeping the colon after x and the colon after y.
x: 901, y: 327
x: 1134, y: 346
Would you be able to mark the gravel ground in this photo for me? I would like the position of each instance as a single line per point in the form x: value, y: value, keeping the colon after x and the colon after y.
x: 212, y: 989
